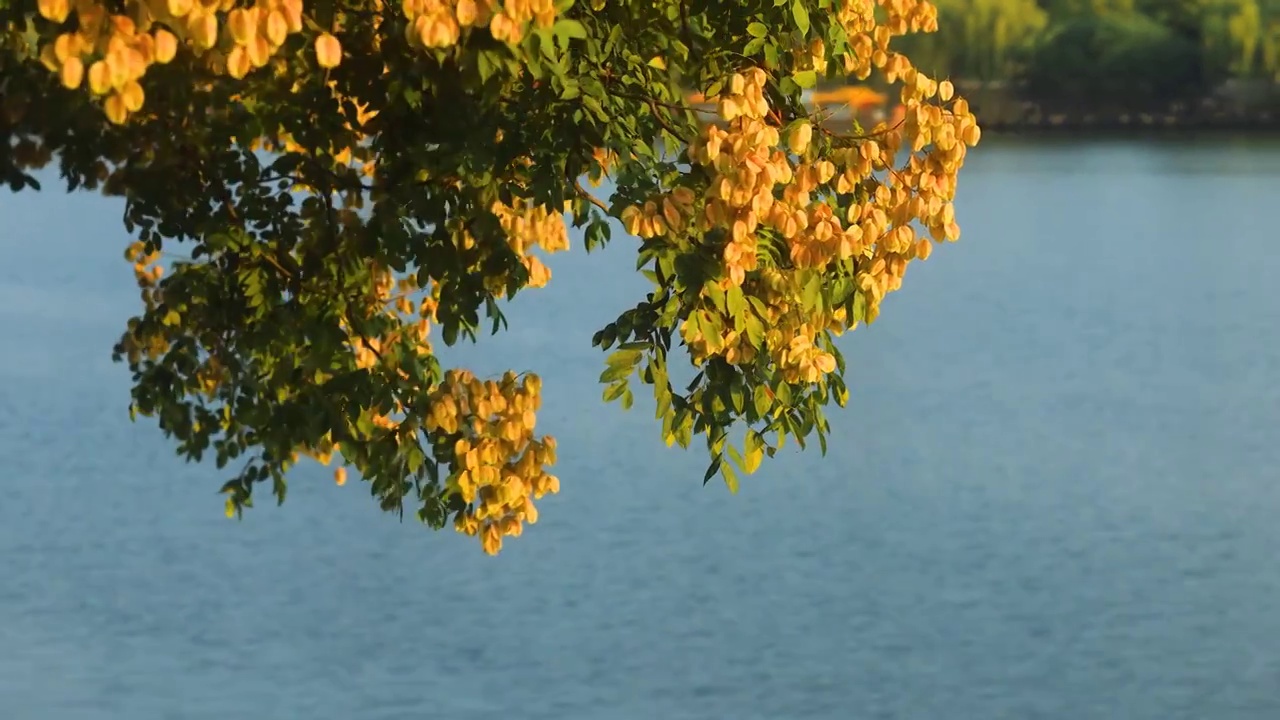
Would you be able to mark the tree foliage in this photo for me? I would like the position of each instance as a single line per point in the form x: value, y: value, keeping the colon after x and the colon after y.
x: 1011, y: 39
x: 980, y: 39
x: 322, y: 191
x: 1117, y: 60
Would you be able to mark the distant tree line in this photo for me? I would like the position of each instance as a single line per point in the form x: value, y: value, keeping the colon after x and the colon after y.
x: 1104, y: 52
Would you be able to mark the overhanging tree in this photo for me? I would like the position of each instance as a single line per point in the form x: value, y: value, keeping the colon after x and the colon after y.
x: 346, y: 181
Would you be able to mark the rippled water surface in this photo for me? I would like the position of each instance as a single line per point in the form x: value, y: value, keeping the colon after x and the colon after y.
x: 1055, y: 496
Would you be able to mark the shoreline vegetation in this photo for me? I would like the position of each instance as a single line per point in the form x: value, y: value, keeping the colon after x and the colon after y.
x: 1092, y: 67
x: 1251, y: 106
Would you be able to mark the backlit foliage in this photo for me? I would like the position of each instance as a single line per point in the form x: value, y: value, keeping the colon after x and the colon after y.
x: 322, y: 189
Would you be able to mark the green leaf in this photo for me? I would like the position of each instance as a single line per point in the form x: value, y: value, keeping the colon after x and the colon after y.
x: 771, y: 56
x: 754, y: 451
x: 736, y: 303
x: 736, y: 399
x: 485, y: 65
x: 615, y: 373
x: 567, y: 28
x: 783, y: 392
x: 859, y: 313
x: 625, y: 356
x: 606, y: 337
x: 755, y: 331
x: 364, y: 424
x: 757, y: 30
x: 614, y: 391
x: 762, y: 401
x: 811, y: 295
x: 594, y: 106
x: 662, y: 396
x: 806, y: 78
x: 712, y: 469
x: 735, y: 456
x: 730, y: 477
x: 715, y: 295
x: 801, y: 15
x: 414, y: 458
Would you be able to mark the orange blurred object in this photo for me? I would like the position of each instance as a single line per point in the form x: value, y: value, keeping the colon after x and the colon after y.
x: 855, y: 96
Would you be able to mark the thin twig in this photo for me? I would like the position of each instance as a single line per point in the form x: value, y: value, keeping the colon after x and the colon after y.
x: 868, y: 136
x: 653, y: 106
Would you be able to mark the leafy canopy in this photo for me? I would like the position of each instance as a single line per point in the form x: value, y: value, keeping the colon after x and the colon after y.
x: 339, y: 184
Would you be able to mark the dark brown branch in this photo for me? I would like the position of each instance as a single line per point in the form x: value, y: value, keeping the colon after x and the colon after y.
x: 585, y: 195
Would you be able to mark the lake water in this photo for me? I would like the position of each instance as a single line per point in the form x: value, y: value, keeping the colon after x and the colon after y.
x: 1054, y: 496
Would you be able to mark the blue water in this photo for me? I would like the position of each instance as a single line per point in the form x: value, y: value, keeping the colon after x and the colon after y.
x: 1054, y: 496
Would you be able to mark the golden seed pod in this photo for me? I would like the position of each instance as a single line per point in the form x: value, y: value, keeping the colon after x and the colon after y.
x: 328, y: 51
x: 238, y: 62
x: 166, y: 46
x: 54, y: 10
x: 276, y: 27
x: 240, y: 25
x: 179, y: 8
x: 117, y: 70
x: 66, y: 46
x: 259, y: 51
x: 72, y: 73
x: 946, y: 90
x: 99, y: 78
x: 799, y: 138
x: 292, y: 14
x: 466, y: 12
x: 132, y: 95
x: 203, y: 30
x: 116, y: 110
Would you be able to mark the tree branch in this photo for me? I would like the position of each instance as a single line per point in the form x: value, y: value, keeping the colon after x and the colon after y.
x: 582, y: 192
